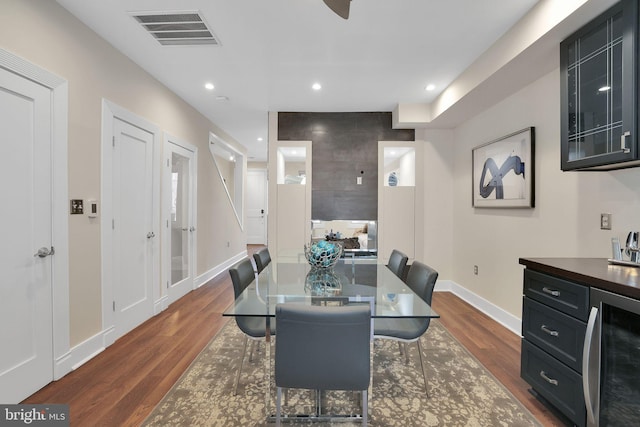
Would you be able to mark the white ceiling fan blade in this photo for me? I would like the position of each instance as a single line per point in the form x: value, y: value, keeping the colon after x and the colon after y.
x: 340, y: 7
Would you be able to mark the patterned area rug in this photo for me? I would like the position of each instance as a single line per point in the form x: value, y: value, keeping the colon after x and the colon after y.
x: 462, y: 391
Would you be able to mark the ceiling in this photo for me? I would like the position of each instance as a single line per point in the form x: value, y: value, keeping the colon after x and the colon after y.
x: 270, y: 53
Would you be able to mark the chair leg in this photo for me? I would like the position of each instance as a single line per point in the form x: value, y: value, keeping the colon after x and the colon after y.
x: 424, y: 372
x: 400, y: 347
x: 365, y: 407
x: 406, y: 352
x: 253, y: 343
x: 278, y: 406
x: 244, y: 350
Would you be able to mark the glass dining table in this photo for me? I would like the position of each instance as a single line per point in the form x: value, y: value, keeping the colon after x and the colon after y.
x: 350, y: 281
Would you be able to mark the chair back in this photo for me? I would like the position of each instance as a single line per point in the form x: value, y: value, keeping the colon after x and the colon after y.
x: 242, y: 275
x: 323, y: 348
x: 397, y: 262
x: 422, y: 279
x: 262, y: 259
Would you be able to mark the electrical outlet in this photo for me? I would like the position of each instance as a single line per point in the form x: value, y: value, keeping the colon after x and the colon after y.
x: 605, y: 221
x: 475, y: 270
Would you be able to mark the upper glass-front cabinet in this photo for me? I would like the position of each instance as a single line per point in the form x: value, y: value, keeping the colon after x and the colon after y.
x: 598, y: 92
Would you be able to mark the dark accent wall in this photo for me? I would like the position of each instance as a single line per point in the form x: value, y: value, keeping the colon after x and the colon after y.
x: 345, y: 146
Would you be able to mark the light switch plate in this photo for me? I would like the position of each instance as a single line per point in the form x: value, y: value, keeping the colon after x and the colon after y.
x: 76, y: 207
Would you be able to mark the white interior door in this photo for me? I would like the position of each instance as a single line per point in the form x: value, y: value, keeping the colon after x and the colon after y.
x: 180, y: 218
x: 256, y: 206
x: 26, y: 358
x: 133, y: 237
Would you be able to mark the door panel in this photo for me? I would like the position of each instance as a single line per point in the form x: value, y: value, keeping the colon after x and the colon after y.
x: 26, y: 363
x: 133, y: 239
x: 256, y: 206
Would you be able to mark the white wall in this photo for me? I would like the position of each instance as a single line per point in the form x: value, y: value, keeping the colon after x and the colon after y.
x: 436, y: 246
x: 565, y: 221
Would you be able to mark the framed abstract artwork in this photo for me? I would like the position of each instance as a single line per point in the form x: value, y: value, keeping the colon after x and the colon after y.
x: 503, y: 172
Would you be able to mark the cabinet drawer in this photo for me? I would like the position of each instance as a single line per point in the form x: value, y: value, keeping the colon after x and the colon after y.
x: 554, y: 381
x: 556, y: 333
x: 567, y: 297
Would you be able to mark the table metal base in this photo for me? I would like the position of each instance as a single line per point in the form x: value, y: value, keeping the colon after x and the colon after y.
x: 319, y: 414
x: 313, y: 418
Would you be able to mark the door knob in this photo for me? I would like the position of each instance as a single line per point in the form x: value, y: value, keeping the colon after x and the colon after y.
x: 44, y: 252
x: 192, y: 229
x: 150, y: 234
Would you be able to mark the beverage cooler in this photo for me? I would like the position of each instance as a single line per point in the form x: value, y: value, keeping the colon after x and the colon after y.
x: 611, y: 360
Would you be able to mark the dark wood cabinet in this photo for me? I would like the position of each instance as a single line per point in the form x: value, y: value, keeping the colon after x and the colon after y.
x: 599, y: 81
x: 554, y: 319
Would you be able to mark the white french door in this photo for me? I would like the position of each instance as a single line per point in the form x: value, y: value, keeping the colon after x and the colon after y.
x: 179, y: 217
x: 256, y: 206
x: 26, y: 248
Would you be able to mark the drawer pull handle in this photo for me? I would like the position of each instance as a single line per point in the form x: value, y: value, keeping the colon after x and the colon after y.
x: 549, y: 331
x: 547, y: 379
x: 551, y: 292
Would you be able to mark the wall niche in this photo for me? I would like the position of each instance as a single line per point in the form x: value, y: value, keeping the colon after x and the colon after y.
x: 345, y: 147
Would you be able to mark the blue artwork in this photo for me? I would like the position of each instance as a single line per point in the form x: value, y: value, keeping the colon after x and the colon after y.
x: 512, y: 163
x: 503, y: 172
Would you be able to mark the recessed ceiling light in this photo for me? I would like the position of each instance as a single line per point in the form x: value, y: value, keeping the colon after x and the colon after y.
x: 430, y: 87
x: 316, y: 86
x: 260, y: 139
x: 209, y: 86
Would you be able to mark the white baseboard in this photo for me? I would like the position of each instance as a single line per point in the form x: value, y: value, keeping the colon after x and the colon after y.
x: 501, y: 316
x: 221, y: 268
x: 79, y: 355
x: 62, y: 366
x: 161, y: 304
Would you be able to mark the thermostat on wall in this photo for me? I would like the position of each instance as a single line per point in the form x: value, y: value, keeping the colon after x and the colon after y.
x: 92, y: 211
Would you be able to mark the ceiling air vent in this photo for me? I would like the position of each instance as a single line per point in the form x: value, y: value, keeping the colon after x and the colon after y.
x: 177, y: 28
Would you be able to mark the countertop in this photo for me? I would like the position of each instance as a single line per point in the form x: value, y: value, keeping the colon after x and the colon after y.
x: 593, y: 272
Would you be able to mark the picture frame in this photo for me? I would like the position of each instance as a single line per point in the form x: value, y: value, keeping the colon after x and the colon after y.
x: 503, y: 171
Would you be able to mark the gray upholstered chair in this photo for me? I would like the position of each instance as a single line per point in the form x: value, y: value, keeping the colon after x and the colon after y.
x: 242, y: 275
x: 323, y: 348
x: 421, y: 279
x: 262, y: 258
x: 397, y: 263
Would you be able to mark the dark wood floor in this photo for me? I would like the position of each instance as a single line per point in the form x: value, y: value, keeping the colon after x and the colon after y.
x: 121, y: 386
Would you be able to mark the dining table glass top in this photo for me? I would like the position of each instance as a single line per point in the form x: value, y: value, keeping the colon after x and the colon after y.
x: 347, y: 282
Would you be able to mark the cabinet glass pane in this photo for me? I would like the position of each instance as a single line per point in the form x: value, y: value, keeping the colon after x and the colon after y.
x: 594, y: 85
